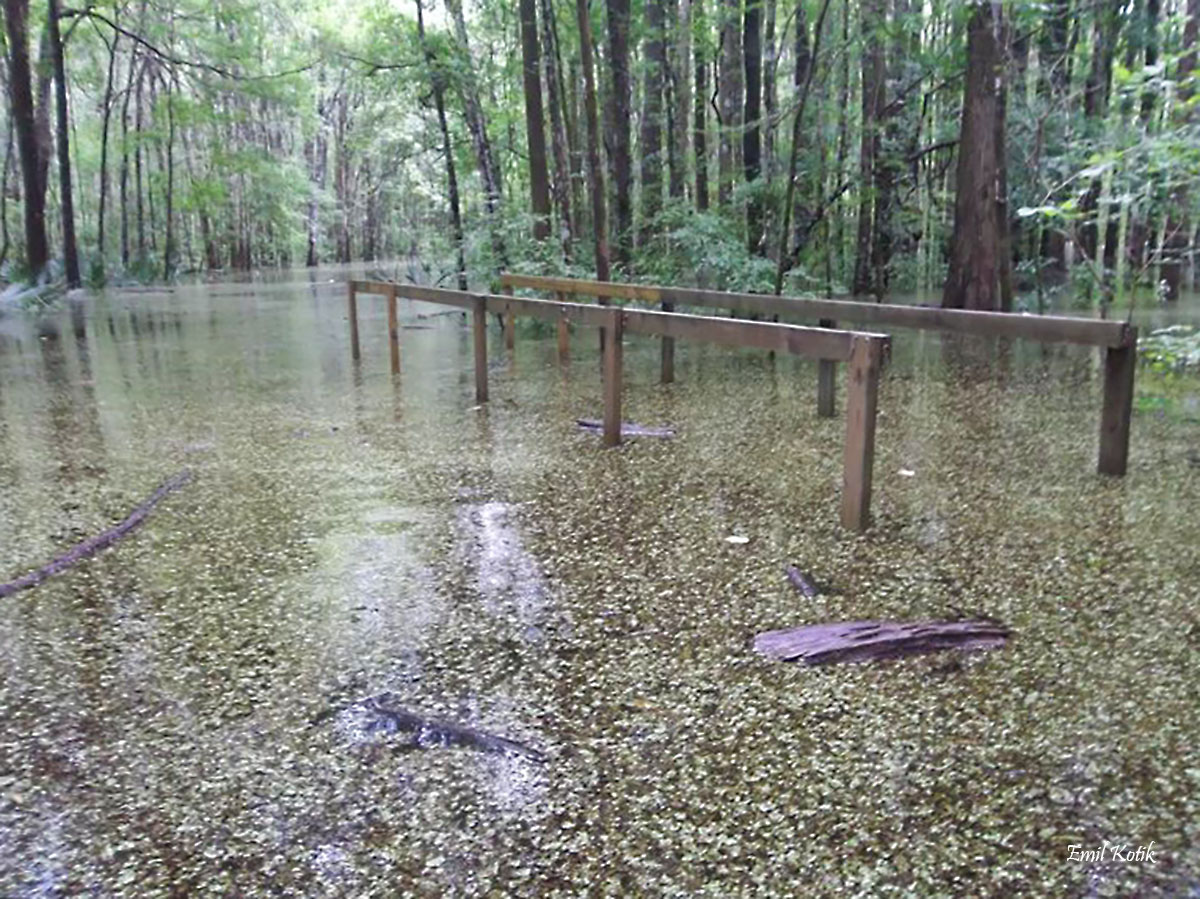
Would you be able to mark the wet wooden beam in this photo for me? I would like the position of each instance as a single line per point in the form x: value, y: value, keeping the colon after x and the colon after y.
x: 869, y: 641
x: 479, y: 334
x: 352, y: 314
x: 1120, y: 363
x: 826, y: 380
x: 510, y: 325
x: 667, y: 368
x: 612, y: 377
x: 1042, y: 328
x: 862, y: 392
x: 564, y: 336
x: 393, y: 331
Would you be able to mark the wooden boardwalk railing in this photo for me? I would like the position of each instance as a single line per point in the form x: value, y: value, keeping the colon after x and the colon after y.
x: 865, y: 354
x: 1119, y: 339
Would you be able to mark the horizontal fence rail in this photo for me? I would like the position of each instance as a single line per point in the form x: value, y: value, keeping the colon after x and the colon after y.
x: 1118, y: 339
x: 865, y: 354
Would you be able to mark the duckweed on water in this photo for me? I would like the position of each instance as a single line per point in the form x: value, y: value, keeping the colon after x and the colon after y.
x: 348, y: 535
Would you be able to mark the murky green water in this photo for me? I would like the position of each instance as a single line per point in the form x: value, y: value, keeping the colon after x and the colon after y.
x: 178, y: 712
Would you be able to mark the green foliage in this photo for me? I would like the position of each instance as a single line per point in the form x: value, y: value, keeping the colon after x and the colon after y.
x: 704, y: 249
x: 1172, y: 349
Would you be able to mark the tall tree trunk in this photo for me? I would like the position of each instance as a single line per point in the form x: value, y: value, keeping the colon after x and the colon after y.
x: 806, y: 65
x: 1150, y: 41
x: 681, y: 79
x: 169, y: 195
x: 973, y: 278
x: 700, y: 116
x: 137, y: 163
x: 770, y: 92
x: 558, y: 130
x: 22, y: 113
x: 63, y: 127
x: 439, y: 100
x: 873, y: 85
x: 124, y: 175
x: 622, y: 139
x: 1178, y: 236
x: 535, y: 132
x: 752, y: 138
x: 651, y: 125
x: 731, y: 97
x: 45, y: 84
x: 8, y: 147
x: 106, y: 117
x: 595, y: 169
x: 485, y: 156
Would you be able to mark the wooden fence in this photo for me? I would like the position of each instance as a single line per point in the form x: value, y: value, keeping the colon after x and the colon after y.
x: 1119, y: 339
x: 864, y: 353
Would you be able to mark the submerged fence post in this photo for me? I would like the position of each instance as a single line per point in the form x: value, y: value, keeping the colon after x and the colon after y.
x: 1120, y: 363
x: 862, y: 383
x: 564, y: 333
x: 611, y: 334
x: 509, y: 322
x: 479, y: 329
x: 393, y: 331
x: 826, y: 379
x: 352, y: 313
x: 667, y: 374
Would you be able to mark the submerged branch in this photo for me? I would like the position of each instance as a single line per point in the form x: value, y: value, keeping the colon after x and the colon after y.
x: 93, y: 545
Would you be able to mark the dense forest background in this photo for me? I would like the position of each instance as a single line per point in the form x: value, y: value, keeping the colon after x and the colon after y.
x: 1001, y: 155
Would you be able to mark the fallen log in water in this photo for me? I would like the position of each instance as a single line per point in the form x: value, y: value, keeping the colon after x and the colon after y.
x: 865, y: 641
x: 93, y: 545
x: 428, y: 733
x: 627, y: 429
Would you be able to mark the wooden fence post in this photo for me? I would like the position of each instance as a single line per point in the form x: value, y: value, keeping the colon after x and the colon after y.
x: 1120, y: 363
x: 510, y: 323
x: 862, y: 393
x: 393, y: 332
x: 826, y: 379
x: 612, y: 378
x: 352, y: 312
x: 668, y: 351
x: 479, y: 327
x: 564, y: 334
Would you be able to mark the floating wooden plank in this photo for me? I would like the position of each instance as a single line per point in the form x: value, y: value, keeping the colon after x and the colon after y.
x: 93, y: 545
x: 866, y: 641
x: 628, y: 429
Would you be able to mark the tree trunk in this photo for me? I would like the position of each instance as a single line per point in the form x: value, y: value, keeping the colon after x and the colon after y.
x: 63, y: 128
x: 651, y: 125
x: 22, y: 114
x: 873, y: 86
x: 124, y: 176
x: 535, y: 132
x: 681, y: 79
x: 489, y: 166
x: 622, y: 141
x: 752, y: 138
x: 558, y: 130
x: 595, y: 169
x: 973, y: 278
x: 439, y: 100
x: 731, y: 97
x: 106, y: 108
x: 169, y: 254
x: 1175, y: 245
x: 700, y: 116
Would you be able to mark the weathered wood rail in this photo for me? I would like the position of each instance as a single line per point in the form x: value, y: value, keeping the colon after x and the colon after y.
x: 865, y: 354
x: 1118, y: 339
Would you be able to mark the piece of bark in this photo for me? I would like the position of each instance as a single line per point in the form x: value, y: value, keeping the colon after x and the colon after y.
x: 864, y: 641
x: 93, y: 545
x: 628, y: 429
x: 431, y: 732
x: 798, y: 580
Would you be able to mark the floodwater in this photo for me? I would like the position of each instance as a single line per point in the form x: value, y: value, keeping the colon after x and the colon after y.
x: 187, y: 712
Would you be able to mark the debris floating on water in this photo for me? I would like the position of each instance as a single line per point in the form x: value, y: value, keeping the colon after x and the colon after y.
x: 386, y: 715
x: 865, y: 641
x: 906, y: 473
x: 93, y: 545
x: 628, y: 429
x: 798, y: 580
x: 737, y: 539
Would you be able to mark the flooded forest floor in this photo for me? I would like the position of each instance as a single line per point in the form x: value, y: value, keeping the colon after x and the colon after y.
x: 184, y: 713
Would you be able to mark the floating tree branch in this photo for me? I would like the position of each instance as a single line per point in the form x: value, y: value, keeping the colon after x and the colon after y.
x: 865, y: 641
x: 93, y: 545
